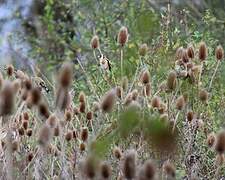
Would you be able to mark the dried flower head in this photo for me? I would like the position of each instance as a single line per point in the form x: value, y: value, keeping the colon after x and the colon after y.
x: 143, y: 49
x: 134, y: 94
x: 129, y: 165
x: 169, y: 169
x: 203, y: 51
x: 180, y: 103
x: 43, y: 110
x: 172, y: 80
x: 82, y: 107
x: 68, y: 115
x: 211, y: 139
x: 185, y: 57
x: 203, y: 95
x: 220, y: 142
x: 190, y: 116
x: 219, y: 53
x: 105, y: 170
x: 117, y: 153
x: 66, y: 75
x: 84, y: 134
x: 82, y: 97
x: 82, y: 146
x: 15, y: 145
x: 10, y: 70
x: 35, y: 95
x: 25, y: 124
x: 122, y: 36
x: 7, y: 96
x: 90, y: 167
x: 156, y: 101
x: 147, y: 171
x: 89, y: 115
x: 45, y: 136
x: 179, y: 53
x: 145, y: 77
x: 94, y: 42
x: 190, y: 52
x: 69, y: 135
x: 108, y: 101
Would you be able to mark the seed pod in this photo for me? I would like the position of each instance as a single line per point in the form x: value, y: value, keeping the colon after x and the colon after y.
x: 124, y: 83
x: 147, y: 171
x: 35, y: 96
x: 117, y: 153
x: 108, y: 101
x: 68, y: 115
x: 43, y: 110
x: 179, y: 53
x: 25, y: 124
x: 10, y: 70
x: 169, y: 169
x: 29, y: 132
x: 84, y: 134
x: 143, y: 49
x: 203, y: 52
x: 155, y: 103
x: 211, y: 139
x: 82, y: 107
x: 15, y: 145
x: 45, y: 136
x: 82, y: 146
x: 94, y: 42
x: 89, y: 115
x: 66, y: 75
x: 172, y: 81
x: 90, y: 167
x: 122, y: 36
x: 52, y: 121
x: 220, y: 142
x: 185, y: 57
x: 203, y: 95
x: 190, y: 52
x: 7, y: 97
x: 219, y: 53
x: 180, y: 103
x: 69, y: 135
x: 134, y: 94
x: 82, y: 97
x: 145, y: 77
x: 27, y: 84
x: 106, y: 170
x: 190, y: 116
x: 129, y: 165
x: 21, y: 131
x: 30, y: 156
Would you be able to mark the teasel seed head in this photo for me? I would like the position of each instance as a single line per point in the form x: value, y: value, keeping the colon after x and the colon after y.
x: 44, y: 136
x: 69, y: 136
x: 143, y: 49
x: 57, y: 130
x: 179, y: 53
x: 7, y: 99
x: 10, y: 70
x: 82, y: 107
x: 90, y: 167
x: 108, y: 101
x: 15, y: 145
x: 220, y: 142
x: 29, y: 132
x: 89, y: 115
x: 122, y: 36
x: 162, y: 108
x: 190, y: 52
x: 172, y: 80
x: 30, y: 156
x: 84, y: 134
x: 66, y: 75
x: 27, y: 84
x: 211, y: 139
x: 156, y: 101
x: 21, y: 131
x: 43, y: 110
x: 147, y: 171
x: 203, y: 95
x: 82, y: 146
x: 96, y: 106
x: 220, y: 159
x: 134, y: 94
x: 180, y: 103
x: 52, y: 121
x: 68, y: 115
x: 190, y: 116
x: 129, y: 165
x: 219, y: 53
x: 35, y: 95
x: 185, y: 57
x: 105, y: 170
x: 95, y: 42
x: 147, y: 90
x: 117, y: 153
x: 145, y: 77
x: 203, y: 52
x: 119, y: 92
x: 82, y: 97
x: 169, y: 169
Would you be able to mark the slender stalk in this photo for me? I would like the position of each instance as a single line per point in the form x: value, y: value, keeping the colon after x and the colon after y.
x: 121, y: 62
x: 200, y: 74
x: 175, y: 121
x: 214, y: 74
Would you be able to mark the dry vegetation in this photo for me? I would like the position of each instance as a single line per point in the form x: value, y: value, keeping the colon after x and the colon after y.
x: 137, y: 129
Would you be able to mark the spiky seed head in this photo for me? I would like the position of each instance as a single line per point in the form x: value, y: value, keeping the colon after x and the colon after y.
x: 94, y: 42
x: 180, y: 103
x: 143, y: 49
x: 69, y: 136
x: 21, y: 131
x: 185, y: 57
x: 169, y: 169
x: 66, y: 75
x: 220, y: 142
x: 90, y: 167
x: 106, y: 170
x: 134, y: 94
x: 10, y: 70
x: 108, y: 101
x: 52, y: 121
x: 82, y: 146
x: 219, y: 53
x: 68, y: 115
x: 26, y: 116
x: 35, y: 95
x: 147, y: 171
x: 7, y: 98
x: 82, y: 107
x: 211, y: 139
x: 203, y: 51
x: 172, y: 80
x: 43, y: 110
x: 30, y: 156
x: 82, y: 97
x: 15, y: 145
x: 27, y: 84
x: 117, y: 153
x: 190, y: 52
x: 145, y: 77
x: 89, y: 115
x: 44, y: 136
x: 156, y: 101
x: 122, y: 36
x: 29, y: 132
x: 129, y: 165
x: 203, y: 95
x: 190, y: 116
x: 119, y: 92
x: 179, y: 53
x: 84, y: 134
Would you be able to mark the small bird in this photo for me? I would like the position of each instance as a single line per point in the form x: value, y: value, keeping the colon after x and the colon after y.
x: 104, y: 63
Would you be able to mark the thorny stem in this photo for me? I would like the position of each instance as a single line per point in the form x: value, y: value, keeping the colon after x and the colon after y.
x: 214, y: 74
x: 121, y: 61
